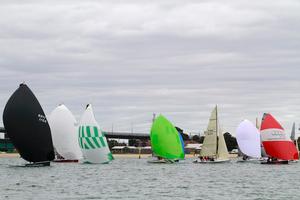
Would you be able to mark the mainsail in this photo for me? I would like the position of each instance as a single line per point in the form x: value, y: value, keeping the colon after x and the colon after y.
x: 214, y: 143
x: 91, y: 139
x: 209, y: 147
x: 293, y: 133
x: 293, y: 136
x: 27, y: 126
x: 165, y: 139
x: 64, y: 133
x: 275, y: 141
x: 248, y: 139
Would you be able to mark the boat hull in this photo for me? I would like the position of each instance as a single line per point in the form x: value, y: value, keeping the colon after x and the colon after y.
x: 211, y: 162
x: 163, y: 161
x: 250, y: 161
x: 38, y: 164
x: 294, y: 161
x: 65, y: 161
x: 278, y: 162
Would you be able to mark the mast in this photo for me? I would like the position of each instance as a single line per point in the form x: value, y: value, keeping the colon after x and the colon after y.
x: 217, y: 146
x: 153, y: 118
x: 256, y: 124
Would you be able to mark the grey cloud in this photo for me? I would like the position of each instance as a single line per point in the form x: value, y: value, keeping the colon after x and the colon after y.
x: 131, y: 59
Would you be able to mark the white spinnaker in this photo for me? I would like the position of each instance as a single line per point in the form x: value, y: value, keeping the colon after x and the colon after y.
x: 65, y: 133
x: 95, y: 154
x: 248, y: 139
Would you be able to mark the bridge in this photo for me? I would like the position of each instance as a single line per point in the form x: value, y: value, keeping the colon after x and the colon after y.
x: 123, y: 135
x: 126, y: 135
x: 117, y: 135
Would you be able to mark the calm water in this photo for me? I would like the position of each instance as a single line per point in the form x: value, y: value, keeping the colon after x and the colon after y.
x: 136, y: 179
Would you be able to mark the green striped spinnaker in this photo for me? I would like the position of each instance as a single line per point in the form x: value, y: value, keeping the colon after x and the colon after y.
x: 90, y: 137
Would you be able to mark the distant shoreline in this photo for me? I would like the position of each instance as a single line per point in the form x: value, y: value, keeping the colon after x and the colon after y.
x: 9, y: 155
x: 16, y: 155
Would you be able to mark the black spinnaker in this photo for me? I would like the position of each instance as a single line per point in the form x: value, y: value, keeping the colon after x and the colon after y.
x: 27, y: 126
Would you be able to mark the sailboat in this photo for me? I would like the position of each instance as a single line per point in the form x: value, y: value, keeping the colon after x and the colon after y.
x: 167, y: 144
x: 214, y: 149
x: 277, y: 144
x: 27, y: 127
x: 248, y: 139
x: 64, y: 133
x: 92, y: 141
x: 293, y: 136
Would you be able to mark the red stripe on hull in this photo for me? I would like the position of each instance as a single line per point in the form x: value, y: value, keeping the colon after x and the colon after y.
x: 285, y: 150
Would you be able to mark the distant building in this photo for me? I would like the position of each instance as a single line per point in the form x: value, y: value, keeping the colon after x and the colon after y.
x: 193, y: 148
x: 6, y: 145
x: 131, y: 149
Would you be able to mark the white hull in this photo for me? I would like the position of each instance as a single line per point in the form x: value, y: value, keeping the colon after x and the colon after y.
x: 209, y: 161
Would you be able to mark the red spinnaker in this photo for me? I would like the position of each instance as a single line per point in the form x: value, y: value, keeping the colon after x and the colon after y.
x: 275, y: 141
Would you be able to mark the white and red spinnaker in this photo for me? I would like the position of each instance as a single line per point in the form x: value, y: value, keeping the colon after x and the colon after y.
x: 276, y: 143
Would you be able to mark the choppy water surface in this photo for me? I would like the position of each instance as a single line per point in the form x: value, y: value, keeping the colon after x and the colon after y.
x: 136, y: 179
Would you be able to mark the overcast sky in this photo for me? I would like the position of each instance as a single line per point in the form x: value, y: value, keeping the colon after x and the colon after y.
x: 137, y: 57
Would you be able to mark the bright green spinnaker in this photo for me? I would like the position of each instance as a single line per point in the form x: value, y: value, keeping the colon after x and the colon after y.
x: 165, y: 139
